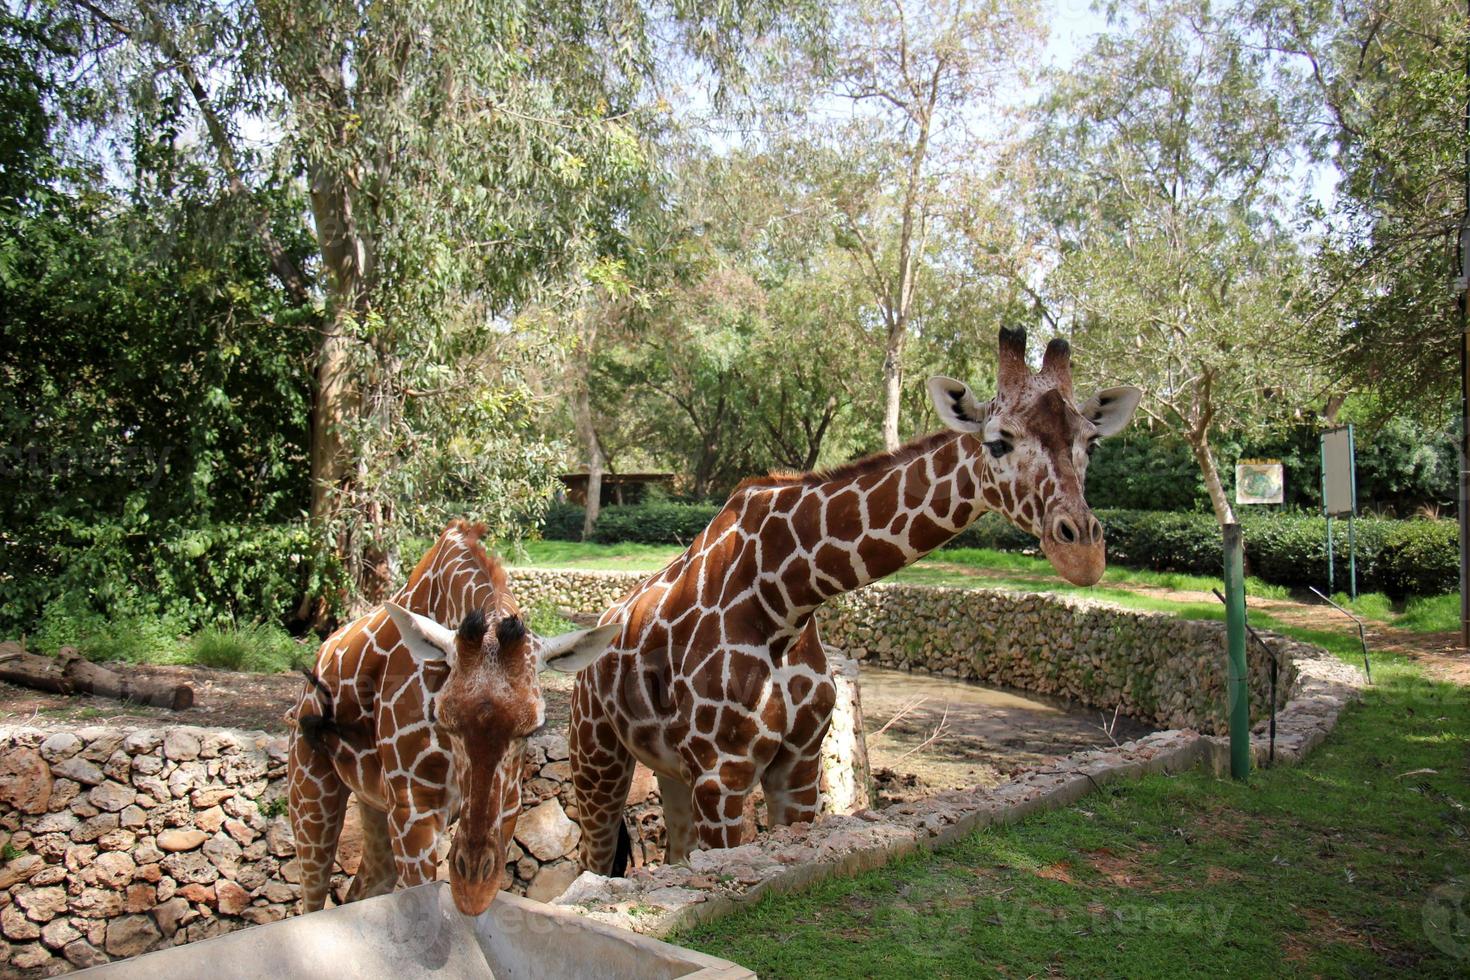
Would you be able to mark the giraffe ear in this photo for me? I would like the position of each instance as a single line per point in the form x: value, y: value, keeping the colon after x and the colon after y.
x: 570, y: 652
x: 956, y: 404
x: 1111, y: 409
x: 426, y: 640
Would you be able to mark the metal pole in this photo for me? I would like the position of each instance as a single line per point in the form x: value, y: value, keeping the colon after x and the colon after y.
x: 1331, y: 585
x: 1322, y: 459
x: 1353, y: 518
x: 1465, y: 377
x: 1237, y: 692
x: 1353, y: 557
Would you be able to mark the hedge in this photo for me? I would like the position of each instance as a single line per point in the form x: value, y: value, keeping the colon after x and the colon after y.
x: 1413, y: 557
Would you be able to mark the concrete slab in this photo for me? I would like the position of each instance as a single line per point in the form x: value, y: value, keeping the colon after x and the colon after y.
x: 418, y: 932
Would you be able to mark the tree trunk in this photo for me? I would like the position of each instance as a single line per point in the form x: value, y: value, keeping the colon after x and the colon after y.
x: 338, y: 397
x: 594, y: 487
x: 892, y: 388
x: 1205, y: 456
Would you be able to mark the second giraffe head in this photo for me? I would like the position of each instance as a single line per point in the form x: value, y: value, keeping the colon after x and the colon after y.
x: 488, y: 703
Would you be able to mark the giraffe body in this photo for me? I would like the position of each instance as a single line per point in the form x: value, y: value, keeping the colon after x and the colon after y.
x: 424, y: 726
x: 717, y: 681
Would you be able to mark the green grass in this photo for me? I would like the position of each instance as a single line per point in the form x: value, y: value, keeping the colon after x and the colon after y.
x: 1419, y: 614
x: 1431, y: 614
x: 1326, y: 869
x: 261, y: 648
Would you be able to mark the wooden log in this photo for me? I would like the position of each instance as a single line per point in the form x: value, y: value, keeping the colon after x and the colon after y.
x: 71, y: 673
x: 29, y: 670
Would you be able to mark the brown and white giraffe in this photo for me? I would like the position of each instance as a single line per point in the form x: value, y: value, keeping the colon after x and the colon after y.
x: 420, y: 708
x: 717, y: 681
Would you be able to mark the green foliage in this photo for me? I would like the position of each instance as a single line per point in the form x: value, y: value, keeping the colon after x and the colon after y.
x: 1420, y: 558
x: 545, y: 620
x: 9, y: 852
x: 261, y: 648
x: 655, y: 523
x: 95, y: 585
x: 273, y: 808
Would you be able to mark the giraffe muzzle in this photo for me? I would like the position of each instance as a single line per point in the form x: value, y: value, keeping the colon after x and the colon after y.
x: 474, y: 875
x: 1073, y: 543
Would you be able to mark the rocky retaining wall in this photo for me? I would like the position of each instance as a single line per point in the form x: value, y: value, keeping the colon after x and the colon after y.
x: 121, y: 841
x: 1166, y: 671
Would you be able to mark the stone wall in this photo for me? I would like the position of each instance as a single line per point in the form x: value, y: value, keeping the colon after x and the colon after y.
x: 121, y: 841
x: 1162, y: 670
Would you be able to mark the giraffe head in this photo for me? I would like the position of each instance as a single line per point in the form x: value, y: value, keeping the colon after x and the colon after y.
x: 1037, y: 438
x: 484, y: 709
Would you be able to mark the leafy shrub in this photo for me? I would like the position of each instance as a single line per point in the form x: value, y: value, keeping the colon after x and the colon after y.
x: 663, y: 522
x: 87, y: 576
x: 1420, y: 558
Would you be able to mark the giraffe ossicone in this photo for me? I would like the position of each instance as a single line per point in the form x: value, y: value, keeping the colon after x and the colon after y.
x: 717, y: 681
x: 420, y: 709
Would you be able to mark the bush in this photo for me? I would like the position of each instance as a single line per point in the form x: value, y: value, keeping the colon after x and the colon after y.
x: 664, y: 522
x: 1420, y: 558
x: 95, y: 585
x: 261, y: 648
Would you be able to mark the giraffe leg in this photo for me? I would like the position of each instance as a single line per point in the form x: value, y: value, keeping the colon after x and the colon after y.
x: 317, y: 799
x: 602, y: 773
x: 792, y: 780
x: 378, y: 872
x: 792, y: 786
x: 719, y: 807
x: 678, y: 818
x: 414, y: 835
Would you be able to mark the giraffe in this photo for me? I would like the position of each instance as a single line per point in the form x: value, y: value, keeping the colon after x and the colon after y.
x: 420, y: 708
x: 717, y: 681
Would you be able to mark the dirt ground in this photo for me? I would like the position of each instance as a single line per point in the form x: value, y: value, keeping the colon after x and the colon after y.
x: 222, y: 698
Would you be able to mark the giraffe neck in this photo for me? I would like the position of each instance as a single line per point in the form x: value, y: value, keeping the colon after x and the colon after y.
x: 455, y: 577
x: 865, y: 522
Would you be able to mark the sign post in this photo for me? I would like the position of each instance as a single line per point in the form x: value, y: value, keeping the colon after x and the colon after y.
x: 1340, y: 498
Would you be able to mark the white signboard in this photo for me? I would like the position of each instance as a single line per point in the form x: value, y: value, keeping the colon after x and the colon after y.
x: 1339, y: 489
x: 1259, y: 481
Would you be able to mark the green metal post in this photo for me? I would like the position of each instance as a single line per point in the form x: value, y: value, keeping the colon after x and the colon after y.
x: 1238, y: 694
x: 1353, y: 519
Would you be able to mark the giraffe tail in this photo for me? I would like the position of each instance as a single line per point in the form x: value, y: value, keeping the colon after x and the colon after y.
x: 623, y: 856
x: 316, y: 727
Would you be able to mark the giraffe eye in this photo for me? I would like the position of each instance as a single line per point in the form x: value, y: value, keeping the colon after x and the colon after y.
x: 1091, y: 446
x: 998, y: 447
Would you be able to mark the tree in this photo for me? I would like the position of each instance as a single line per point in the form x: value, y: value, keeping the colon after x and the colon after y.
x: 459, y: 158
x: 1167, y: 152
x: 1389, y: 83
x: 913, y: 76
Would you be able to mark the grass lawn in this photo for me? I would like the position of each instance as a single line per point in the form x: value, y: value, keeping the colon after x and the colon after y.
x: 971, y: 567
x: 1355, y: 863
